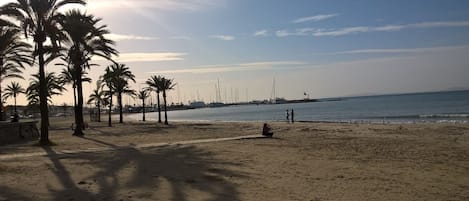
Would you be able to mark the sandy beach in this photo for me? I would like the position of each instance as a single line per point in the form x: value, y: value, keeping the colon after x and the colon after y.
x: 304, y: 161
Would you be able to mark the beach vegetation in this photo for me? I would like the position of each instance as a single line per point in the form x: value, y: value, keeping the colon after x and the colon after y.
x: 117, y: 78
x: 40, y: 19
x: 154, y: 83
x: 68, y: 76
x: 84, y: 39
x: 15, y: 54
x: 108, y: 78
x: 54, y: 86
x: 97, y: 97
x: 142, y: 95
x: 166, y: 85
x: 13, y: 90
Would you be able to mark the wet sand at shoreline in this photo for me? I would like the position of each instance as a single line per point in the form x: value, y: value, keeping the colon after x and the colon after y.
x: 304, y: 161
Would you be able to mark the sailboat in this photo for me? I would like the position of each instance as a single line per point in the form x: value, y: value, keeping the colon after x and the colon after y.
x: 273, y: 97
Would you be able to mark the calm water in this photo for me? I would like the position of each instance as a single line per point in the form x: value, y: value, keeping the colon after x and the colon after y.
x: 423, y: 107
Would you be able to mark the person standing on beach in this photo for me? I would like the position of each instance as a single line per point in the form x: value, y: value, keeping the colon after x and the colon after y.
x: 288, y: 117
x: 292, y: 116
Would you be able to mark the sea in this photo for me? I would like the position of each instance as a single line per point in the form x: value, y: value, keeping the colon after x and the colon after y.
x: 435, y: 107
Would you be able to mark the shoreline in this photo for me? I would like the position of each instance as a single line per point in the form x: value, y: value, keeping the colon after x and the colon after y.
x: 130, y: 116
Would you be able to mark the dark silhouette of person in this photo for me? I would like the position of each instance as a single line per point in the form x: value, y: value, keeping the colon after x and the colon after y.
x: 15, y: 117
x: 288, y: 116
x: 267, y: 130
x: 292, y: 116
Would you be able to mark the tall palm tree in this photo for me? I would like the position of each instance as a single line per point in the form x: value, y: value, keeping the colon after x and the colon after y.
x: 39, y: 19
x: 119, y: 76
x: 166, y: 85
x: 14, y: 54
x: 54, y: 87
x: 154, y: 83
x: 13, y: 90
x: 84, y: 40
x: 142, y: 95
x: 97, y: 96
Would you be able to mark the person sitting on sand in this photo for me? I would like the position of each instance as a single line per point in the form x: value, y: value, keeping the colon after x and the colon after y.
x: 267, y: 130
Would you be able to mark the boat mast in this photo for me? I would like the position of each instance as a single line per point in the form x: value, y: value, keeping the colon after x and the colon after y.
x: 273, y: 97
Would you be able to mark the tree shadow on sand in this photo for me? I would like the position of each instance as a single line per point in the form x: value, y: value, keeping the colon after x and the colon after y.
x: 141, y: 174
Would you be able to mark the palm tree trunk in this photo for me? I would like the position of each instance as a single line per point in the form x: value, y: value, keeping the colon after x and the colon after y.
x: 15, y: 103
x: 159, y: 106
x: 74, y: 99
x: 80, y: 126
x: 165, y: 110
x: 43, y: 93
x: 143, y: 102
x: 119, y: 99
x: 110, y: 108
x: 1, y: 101
x: 99, y: 111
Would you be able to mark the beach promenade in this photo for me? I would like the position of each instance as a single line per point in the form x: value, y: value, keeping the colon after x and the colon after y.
x: 215, y: 161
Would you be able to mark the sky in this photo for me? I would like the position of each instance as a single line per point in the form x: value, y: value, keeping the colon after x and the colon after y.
x: 324, y: 48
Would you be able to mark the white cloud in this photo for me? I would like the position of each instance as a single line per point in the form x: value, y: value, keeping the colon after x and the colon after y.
x: 440, y: 24
x: 261, y: 33
x: 267, y: 65
x: 148, y: 57
x: 314, y: 18
x: 343, y: 31
x: 297, y: 32
x: 366, y: 29
x: 223, y: 37
x: 121, y: 37
x: 403, y: 50
x: 282, y: 33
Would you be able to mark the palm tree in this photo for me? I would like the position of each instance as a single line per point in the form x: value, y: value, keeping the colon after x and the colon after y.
x: 118, y: 76
x: 13, y: 90
x: 166, y: 85
x: 40, y: 19
x: 54, y: 87
x: 84, y: 39
x: 142, y: 95
x: 97, y: 96
x: 154, y: 83
x: 121, y: 86
x: 14, y: 54
x: 68, y: 76
x: 108, y: 78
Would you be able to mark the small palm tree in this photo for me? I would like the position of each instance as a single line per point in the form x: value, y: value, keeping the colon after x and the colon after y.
x: 122, y: 88
x: 68, y: 76
x: 97, y: 96
x: 14, y: 55
x: 54, y: 87
x: 142, y: 95
x: 118, y: 76
x: 108, y: 79
x: 154, y: 83
x: 166, y: 85
x: 13, y: 90
x: 40, y: 19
